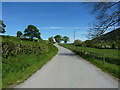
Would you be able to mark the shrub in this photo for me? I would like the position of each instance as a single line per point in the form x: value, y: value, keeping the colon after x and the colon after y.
x: 118, y: 44
x: 102, y: 46
x: 88, y: 43
x: 19, y: 34
x: 51, y: 40
x: 77, y: 43
x: 115, y: 45
x: 11, y: 49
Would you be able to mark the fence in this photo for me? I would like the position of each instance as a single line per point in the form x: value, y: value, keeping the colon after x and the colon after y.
x: 96, y: 56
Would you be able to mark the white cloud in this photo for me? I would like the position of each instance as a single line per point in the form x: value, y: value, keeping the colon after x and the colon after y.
x: 55, y: 27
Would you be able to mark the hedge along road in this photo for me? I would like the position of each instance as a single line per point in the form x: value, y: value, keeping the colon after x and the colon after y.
x: 67, y: 70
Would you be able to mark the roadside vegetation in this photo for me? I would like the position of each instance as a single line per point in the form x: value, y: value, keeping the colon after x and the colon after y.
x: 23, y: 55
x: 102, y: 51
x: 106, y: 59
x: 21, y: 58
x: 58, y: 39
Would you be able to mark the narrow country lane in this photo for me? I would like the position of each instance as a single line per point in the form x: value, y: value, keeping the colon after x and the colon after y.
x: 67, y: 70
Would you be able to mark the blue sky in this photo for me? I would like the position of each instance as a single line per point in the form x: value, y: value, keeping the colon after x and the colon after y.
x: 51, y: 18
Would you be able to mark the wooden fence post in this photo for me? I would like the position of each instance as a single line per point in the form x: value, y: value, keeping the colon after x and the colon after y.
x: 94, y: 54
x: 103, y: 58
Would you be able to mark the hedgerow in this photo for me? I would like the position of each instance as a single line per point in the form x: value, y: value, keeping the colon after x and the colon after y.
x: 12, y: 49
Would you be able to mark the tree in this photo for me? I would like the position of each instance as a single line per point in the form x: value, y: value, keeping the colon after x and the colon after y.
x: 19, y: 33
x: 77, y: 43
x: 37, y: 35
x: 65, y: 39
x: 2, y: 27
x: 107, y: 16
x: 58, y: 38
x: 31, y: 31
x: 51, y: 39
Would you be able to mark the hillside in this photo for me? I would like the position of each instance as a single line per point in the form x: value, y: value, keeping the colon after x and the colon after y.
x: 108, y: 37
x: 21, y: 58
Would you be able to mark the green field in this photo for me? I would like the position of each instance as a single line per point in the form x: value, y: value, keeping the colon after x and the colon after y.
x: 106, y: 59
x: 22, y: 58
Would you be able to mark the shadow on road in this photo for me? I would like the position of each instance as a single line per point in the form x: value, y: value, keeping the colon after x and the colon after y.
x: 66, y: 54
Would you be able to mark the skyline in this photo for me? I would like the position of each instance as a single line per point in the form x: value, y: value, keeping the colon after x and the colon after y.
x: 51, y: 18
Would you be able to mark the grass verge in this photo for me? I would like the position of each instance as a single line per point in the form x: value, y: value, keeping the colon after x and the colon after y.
x: 112, y: 69
x: 17, y: 77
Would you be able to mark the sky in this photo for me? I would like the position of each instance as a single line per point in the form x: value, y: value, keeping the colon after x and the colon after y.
x: 51, y: 18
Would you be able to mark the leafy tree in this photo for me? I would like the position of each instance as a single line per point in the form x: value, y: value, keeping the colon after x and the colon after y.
x: 107, y: 15
x: 2, y: 27
x: 37, y: 35
x: 58, y: 38
x: 19, y: 33
x: 77, y: 43
x: 51, y: 39
x: 31, y: 31
x: 65, y: 39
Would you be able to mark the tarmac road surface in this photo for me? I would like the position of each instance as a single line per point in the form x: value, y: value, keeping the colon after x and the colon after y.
x: 68, y: 70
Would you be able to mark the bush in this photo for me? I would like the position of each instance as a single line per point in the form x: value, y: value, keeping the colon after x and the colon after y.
x: 11, y: 49
x: 51, y: 40
x: 98, y: 46
x: 107, y: 45
x: 5, y: 36
x: 115, y: 45
x: 102, y: 46
x: 118, y: 44
x: 88, y: 43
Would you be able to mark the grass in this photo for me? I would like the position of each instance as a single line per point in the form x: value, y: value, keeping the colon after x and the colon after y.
x: 110, y: 68
x: 111, y: 53
x: 18, y: 68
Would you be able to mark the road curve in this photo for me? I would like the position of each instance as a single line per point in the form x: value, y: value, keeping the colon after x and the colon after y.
x: 67, y: 70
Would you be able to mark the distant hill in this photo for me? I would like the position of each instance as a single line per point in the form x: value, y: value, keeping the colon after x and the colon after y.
x: 108, y: 37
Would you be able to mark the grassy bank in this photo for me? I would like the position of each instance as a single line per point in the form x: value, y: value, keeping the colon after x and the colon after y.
x: 95, y: 56
x: 24, y: 59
